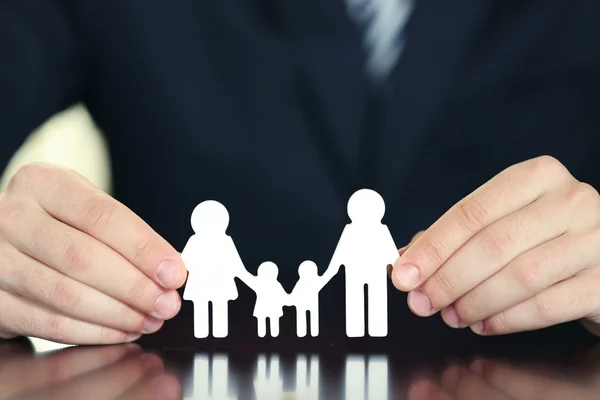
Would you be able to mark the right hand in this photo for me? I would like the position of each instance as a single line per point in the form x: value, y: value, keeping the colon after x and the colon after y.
x: 78, y: 267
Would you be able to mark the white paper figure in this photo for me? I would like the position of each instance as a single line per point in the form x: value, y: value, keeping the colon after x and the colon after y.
x: 366, y: 381
x: 307, y: 379
x: 270, y: 297
x: 213, y: 263
x: 366, y: 248
x: 268, y: 383
x: 305, y: 295
x: 210, y: 379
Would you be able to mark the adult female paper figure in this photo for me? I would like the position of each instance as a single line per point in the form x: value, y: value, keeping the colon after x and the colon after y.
x: 213, y: 263
x: 366, y: 248
x: 270, y: 297
x: 305, y: 295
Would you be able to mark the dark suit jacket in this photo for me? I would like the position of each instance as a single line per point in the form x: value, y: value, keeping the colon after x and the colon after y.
x: 264, y: 106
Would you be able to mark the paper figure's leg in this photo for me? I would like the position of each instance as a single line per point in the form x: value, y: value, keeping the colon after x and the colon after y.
x: 201, y: 319
x: 314, y: 322
x: 274, y: 326
x: 355, y: 308
x: 300, y: 322
x: 378, y: 307
x: 220, y: 319
x: 262, y: 326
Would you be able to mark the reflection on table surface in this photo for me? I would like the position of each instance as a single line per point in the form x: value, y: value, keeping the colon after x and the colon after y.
x: 130, y: 372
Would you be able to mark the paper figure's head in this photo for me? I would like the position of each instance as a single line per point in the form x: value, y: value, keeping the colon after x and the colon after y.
x: 366, y: 206
x: 268, y: 269
x: 307, y: 269
x: 211, y: 217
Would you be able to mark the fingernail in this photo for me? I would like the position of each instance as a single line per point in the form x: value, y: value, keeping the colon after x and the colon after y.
x: 166, y: 304
x: 407, y: 276
x: 152, y: 324
x: 132, y: 337
x: 419, y: 303
x: 168, y: 273
x: 478, y: 327
x: 450, y: 316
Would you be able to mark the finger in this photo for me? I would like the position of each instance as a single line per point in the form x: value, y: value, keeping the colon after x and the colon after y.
x: 400, y: 252
x: 522, y: 384
x: 565, y: 301
x: 526, y: 275
x: 57, y: 367
x: 90, y: 262
x: 466, y: 385
x: 26, y: 277
x: 507, y: 192
x: 72, y: 199
x: 427, y: 390
x: 25, y: 318
x: 163, y: 386
x: 489, y: 251
x: 105, y: 383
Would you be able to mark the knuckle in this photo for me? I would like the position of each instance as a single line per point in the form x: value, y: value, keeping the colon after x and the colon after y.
x: 473, y: 214
x: 142, y: 293
x: 547, y: 309
x: 109, y: 335
x: 469, y: 309
x: 10, y: 214
x: 75, y: 257
x: 65, y: 296
x: 527, y: 273
x: 99, y: 213
x: 444, y: 290
x: 550, y: 166
x: 55, y: 327
x: 27, y: 176
x: 142, y: 249
x: 435, y: 251
x: 498, y: 324
x: 581, y: 195
x: 498, y: 242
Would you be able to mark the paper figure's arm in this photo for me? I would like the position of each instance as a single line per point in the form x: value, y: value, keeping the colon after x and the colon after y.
x: 337, y: 259
x: 248, y: 279
x: 391, y: 248
x: 328, y: 275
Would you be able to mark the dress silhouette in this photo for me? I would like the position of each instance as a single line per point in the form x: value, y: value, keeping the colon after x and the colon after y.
x: 305, y: 295
x: 213, y: 263
x: 270, y: 297
x: 366, y: 248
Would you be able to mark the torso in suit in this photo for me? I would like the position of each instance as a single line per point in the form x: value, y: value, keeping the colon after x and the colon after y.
x: 265, y: 107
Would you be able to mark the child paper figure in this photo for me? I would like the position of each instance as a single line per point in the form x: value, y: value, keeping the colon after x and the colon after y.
x: 366, y: 248
x: 213, y: 263
x: 270, y: 297
x: 305, y: 295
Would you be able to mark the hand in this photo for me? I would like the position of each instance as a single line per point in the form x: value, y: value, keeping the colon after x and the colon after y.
x: 520, y: 253
x: 78, y: 267
x: 493, y: 380
x: 107, y: 372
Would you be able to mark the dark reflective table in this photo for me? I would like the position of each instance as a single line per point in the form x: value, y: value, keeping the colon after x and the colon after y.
x: 554, y: 364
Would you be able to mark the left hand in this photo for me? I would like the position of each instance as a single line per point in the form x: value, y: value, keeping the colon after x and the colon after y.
x: 520, y: 253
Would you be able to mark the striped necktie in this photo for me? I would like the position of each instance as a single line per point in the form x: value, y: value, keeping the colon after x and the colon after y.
x: 382, y: 22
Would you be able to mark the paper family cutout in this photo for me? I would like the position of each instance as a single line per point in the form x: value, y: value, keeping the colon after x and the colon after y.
x: 365, y: 249
x: 363, y: 378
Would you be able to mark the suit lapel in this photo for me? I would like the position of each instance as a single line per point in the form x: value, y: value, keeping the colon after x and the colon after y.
x: 437, y: 38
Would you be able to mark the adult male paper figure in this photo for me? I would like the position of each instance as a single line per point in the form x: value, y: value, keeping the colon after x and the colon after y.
x: 366, y: 248
x: 213, y: 263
